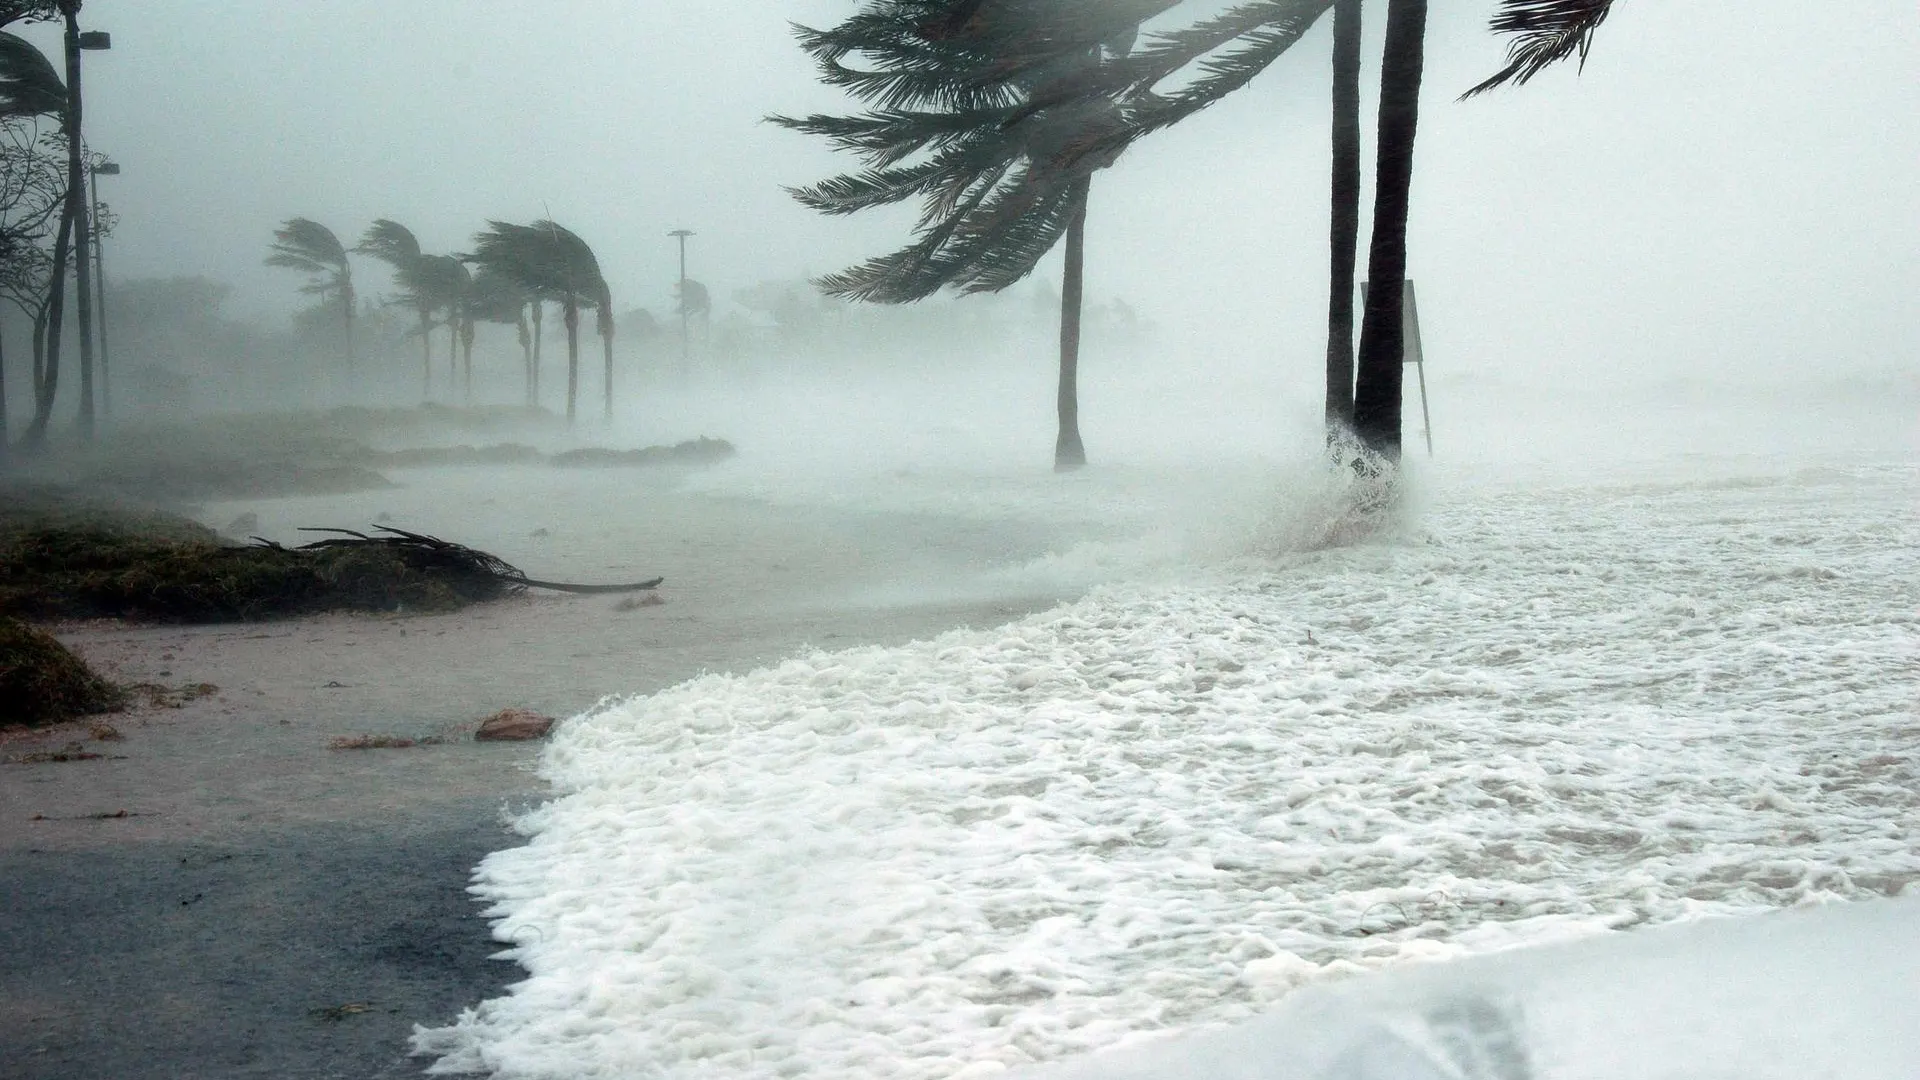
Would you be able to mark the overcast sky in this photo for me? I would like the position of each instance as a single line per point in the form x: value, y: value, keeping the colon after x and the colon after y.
x: 1730, y: 185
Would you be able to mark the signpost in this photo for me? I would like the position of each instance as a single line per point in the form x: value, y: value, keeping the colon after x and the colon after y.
x: 1411, y: 353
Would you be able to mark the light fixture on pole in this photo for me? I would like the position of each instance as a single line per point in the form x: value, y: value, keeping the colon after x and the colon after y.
x: 76, y: 43
x: 104, y: 168
x: 681, y: 235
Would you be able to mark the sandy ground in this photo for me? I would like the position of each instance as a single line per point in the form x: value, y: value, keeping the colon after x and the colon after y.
x: 267, y: 906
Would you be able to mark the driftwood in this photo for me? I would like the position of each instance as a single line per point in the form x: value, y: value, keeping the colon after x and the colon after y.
x: 431, y: 552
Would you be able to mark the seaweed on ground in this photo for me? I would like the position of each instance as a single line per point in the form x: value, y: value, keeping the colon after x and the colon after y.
x: 42, y: 682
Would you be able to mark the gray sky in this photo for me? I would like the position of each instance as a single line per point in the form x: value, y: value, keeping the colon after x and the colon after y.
x: 1730, y: 185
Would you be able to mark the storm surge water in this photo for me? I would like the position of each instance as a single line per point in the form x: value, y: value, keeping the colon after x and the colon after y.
x: 1251, y: 762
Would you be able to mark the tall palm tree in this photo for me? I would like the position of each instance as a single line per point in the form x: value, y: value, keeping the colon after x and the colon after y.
x: 441, y: 282
x: 980, y: 111
x: 1376, y: 397
x: 549, y: 262
x: 496, y: 298
x: 1345, y: 218
x: 394, y: 244
x: 306, y: 245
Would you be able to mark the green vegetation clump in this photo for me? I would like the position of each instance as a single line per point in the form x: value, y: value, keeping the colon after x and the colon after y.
x: 79, y: 561
x: 42, y: 682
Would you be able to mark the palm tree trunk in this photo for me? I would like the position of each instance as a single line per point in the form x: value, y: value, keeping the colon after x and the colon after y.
x: 526, y: 353
x: 48, y: 386
x: 570, y: 309
x: 1376, y: 403
x: 1345, y: 233
x: 1068, y: 453
x: 539, y: 314
x: 346, y: 305
x: 466, y: 357
x: 426, y: 356
x: 606, y: 349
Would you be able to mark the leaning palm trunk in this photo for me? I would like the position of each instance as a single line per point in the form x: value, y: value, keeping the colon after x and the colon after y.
x: 1345, y: 232
x: 426, y: 356
x: 570, y: 311
x: 467, y: 328
x: 1376, y: 403
x: 539, y: 314
x: 526, y: 353
x: 1068, y: 452
x: 47, y: 386
x: 604, y: 324
x: 346, y: 305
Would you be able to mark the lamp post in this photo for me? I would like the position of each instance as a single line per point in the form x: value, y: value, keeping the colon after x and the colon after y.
x: 104, y: 168
x: 77, y: 42
x: 681, y: 235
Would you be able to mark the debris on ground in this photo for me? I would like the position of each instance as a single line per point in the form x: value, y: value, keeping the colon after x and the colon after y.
x: 381, y: 742
x: 42, y: 682
x: 62, y: 559
x: 514, y: 725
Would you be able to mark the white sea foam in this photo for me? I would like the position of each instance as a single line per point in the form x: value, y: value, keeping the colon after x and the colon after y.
x: 1536, y: 715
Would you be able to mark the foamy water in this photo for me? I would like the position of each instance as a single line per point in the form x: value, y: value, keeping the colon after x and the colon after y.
x: 1534, y: 713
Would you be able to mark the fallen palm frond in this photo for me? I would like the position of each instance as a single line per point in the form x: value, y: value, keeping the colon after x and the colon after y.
x: 476, y: 569
x: 155, y: 567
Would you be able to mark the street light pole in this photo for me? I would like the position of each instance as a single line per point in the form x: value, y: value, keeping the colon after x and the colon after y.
x: 105, y: 168
x: 77, y: 203
x: 685, y: 362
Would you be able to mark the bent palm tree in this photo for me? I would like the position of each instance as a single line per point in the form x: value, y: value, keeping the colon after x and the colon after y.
x: 496, y: 298
x: 306, y: 245
x: 549, y: 262
x: 394, y: 244
x: 1543, y: 32
x: 29, y: 85
x: 994, y: 116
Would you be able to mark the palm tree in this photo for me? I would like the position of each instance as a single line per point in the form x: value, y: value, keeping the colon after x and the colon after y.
x: 549, y: 262
x: 310, y: 247
x: 1543, y: 32
x: 493, y: 297
x: 394, y: 244
x: 1376, y: 396
x: 1345, y: 218
x: 981, y: 113
x: 441, y: 283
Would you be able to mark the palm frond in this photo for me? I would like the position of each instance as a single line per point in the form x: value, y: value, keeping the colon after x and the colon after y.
x: 1543, y: 33
x: 305, y: 244
x: 29, y: 85
x: 390, y: 242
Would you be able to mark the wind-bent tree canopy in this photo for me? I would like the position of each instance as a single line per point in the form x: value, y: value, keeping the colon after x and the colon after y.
x: 495, y: 298
x: 394, y: 244
x: 29, y: 85
x: 549, y: 262
x: 991, y: 113
x: 307, y: 246
x: 1543, y: 33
